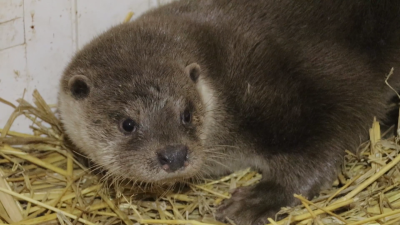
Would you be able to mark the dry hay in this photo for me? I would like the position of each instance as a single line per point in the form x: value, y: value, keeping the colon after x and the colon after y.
x: 42, y: 183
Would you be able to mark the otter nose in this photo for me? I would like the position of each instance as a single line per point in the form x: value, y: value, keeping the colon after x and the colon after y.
x: 173, y: 157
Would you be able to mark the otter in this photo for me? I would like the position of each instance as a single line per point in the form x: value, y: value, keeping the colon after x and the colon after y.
x: 203, y: 88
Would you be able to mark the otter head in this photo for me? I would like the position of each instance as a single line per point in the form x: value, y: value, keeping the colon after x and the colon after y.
x: 140, y: 118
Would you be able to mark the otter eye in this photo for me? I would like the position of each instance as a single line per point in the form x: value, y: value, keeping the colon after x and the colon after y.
x: 128, y: 126
x: 186, y: 117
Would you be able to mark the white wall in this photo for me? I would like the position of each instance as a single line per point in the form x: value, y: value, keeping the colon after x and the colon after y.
x: 38, y: 37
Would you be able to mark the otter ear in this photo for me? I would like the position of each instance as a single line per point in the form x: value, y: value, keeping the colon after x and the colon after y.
x: 79, y: 86
x: 193, y: 71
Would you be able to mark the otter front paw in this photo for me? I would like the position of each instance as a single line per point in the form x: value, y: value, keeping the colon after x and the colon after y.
x: 254, y: 205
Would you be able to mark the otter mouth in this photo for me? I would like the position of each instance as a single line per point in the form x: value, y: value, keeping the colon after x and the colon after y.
x: 168, y: 164
x: 180, y: 168
x: 168, y: 177
x: 177, y: 163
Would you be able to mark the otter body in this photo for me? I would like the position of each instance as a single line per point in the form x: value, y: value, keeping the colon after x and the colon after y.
x: 203, y: 88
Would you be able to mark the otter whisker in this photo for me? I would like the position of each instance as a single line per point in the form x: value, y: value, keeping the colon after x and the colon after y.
x: 217, y: 162
x: 216, y: 156
x: 80, y: 154
x: 226, y: 146
x: 212, y: 151
x: 167, y: 190
x: 93, y: 168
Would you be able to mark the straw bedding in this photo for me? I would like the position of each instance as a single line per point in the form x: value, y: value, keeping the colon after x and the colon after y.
x: 42, y: 182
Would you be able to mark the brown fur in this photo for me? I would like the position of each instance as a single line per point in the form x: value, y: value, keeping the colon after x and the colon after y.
x: 281, y: 86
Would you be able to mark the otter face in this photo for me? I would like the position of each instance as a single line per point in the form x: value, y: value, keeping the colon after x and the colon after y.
x: 142, y: 127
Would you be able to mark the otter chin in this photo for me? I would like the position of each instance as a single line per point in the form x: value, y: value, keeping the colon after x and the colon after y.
x: 198, y: 89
